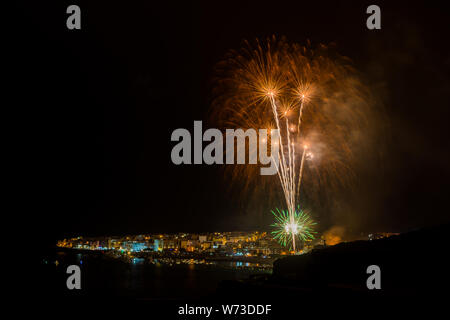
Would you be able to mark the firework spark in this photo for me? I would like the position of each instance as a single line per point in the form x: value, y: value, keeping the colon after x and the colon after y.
x: 287, y: 231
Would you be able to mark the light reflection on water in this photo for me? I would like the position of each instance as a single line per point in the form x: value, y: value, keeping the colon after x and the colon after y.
x: 141, y: 278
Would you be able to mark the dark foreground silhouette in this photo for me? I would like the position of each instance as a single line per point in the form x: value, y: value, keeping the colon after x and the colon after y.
x: 413, y: 265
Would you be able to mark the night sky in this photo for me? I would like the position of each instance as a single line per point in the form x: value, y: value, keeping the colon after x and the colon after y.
x: 97, y: 106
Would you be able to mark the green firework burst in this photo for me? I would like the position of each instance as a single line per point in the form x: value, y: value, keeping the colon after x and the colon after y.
x: 302, y: 227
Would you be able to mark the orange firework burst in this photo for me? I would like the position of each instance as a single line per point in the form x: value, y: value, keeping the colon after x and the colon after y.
x: 316, y: 100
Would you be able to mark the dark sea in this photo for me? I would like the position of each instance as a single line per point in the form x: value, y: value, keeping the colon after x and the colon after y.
x: 103, y: 277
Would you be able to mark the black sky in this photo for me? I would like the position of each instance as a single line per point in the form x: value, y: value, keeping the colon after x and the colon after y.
x: 96, y: 109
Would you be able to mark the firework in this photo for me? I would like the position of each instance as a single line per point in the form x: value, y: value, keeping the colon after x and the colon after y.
x: 316, y: 101
x: 287, y: 231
